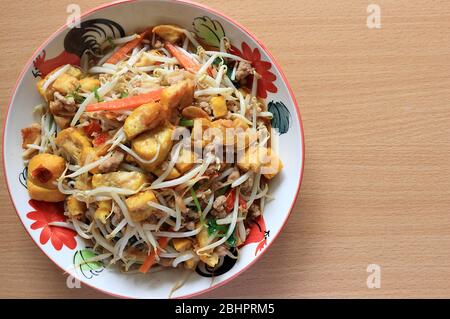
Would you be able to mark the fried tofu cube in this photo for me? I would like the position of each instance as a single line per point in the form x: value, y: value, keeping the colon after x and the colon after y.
x: 75, y: 207
x: 127, y: 180
x: 43, y: 172
x: 144, y: 118
x: 186, y: 160
x: 89, y: 84
x: 75, y: 72
x: 273, y: 166
x: 261, y: 159
x: 44, y: 169
x: 181, y: 244
x: 30, y: 135
x: 174, y: 173
x: 103, y: 210
x: 138, y: 206
x: 44, y: 194
x: 170, y: 33
x: 73, y: 142
x: 190, y: 263
x: 178, y: 95
x: 219, y: 106
x: 208, y: 257
x: 47, y: 94
x: 66, y: 83
x: 155, y: 143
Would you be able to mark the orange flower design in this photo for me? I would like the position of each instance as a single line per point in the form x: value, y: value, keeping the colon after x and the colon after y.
x: 46, y: 213
x: 265, y: 83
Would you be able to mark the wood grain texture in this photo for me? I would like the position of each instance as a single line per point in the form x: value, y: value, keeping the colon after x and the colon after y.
x: 375, y: 108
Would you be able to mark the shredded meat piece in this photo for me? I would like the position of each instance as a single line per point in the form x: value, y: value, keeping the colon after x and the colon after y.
x: 190, y: 226
x: 62, y: 106
x: 233, y: 106
x: 205, y: 107
x: 218, y: 214
x: 219, y: 207
x: 221, y: 250
x: 31, y: 135
x: 255, y: 211
x: 158, y: 44
x: 244, y: 69
x: 165, y: 262
x: 112, y: 163
x: 246, y: 187
x: 233, y: 176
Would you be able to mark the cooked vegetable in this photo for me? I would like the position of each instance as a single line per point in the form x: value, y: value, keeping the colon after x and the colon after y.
x: 150, y: 261
x: 125, y: 103
x: 141, y: 145
x: 127, y: 47
x: 188, y: 62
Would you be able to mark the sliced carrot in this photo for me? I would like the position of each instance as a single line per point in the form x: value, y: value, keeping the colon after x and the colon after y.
x: 186, y: 62
x: 127, y: 47
x: 126, y: 103
x: 150, y: 260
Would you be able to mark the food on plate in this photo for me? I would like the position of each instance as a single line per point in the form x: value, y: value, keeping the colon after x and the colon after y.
x: 160, y: 150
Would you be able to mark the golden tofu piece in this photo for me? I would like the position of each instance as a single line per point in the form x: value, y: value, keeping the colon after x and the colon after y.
x: 144, y: 118
x: 190, y: 263
x: 273, y: 166
x: 261, y: 159
x: 239, y: 123
x: 127, y: 180
x: 73, y: 142
x: 44, y: 194
x: 47, y: 94
x: 186, y: 160
x: 75, y: 207
x: 44, y: 169
x: 174, y: 173
x: 209, y: 257
x: 169, y: 32
x: 219, y: 106
x: 193, y: 112
x: 66, y: 83
x: 103, y: 210
x: 138, y: 206
x: 30, y: 135
x: 178, y: 95
x: 89, y: 84
x: 181, y: 244
x: 75, y: 72
x: 155, y: 143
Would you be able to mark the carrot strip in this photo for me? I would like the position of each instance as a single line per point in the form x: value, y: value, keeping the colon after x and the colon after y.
x: 150, y: 260
x: 125, y: 103
x: 187, y: 62
x: 126, y: 48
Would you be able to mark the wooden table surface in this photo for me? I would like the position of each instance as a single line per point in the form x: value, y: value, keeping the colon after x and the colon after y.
x: 376, y: 113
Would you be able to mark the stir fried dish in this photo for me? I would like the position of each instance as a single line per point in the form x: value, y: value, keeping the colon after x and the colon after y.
x: 159, y: 148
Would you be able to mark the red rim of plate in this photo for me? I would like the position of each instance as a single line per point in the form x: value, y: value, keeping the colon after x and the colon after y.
x: 204, y: 7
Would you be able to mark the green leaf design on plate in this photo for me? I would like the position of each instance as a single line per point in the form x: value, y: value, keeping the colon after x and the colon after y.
x: 82, y: 256
x: 281, y: 117
x: 210, y: 31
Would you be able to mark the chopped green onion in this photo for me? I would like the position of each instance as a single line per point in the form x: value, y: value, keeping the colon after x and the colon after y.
x: 231, y: 241
x: 123, y: 94
x: 223, y: 190
x: 97, y: 96
x: 186, y: 122
x: 197, y: 205
x: 218, y: 61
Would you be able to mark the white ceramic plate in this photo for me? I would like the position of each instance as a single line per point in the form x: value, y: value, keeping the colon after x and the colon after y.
x: 62, y: 245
